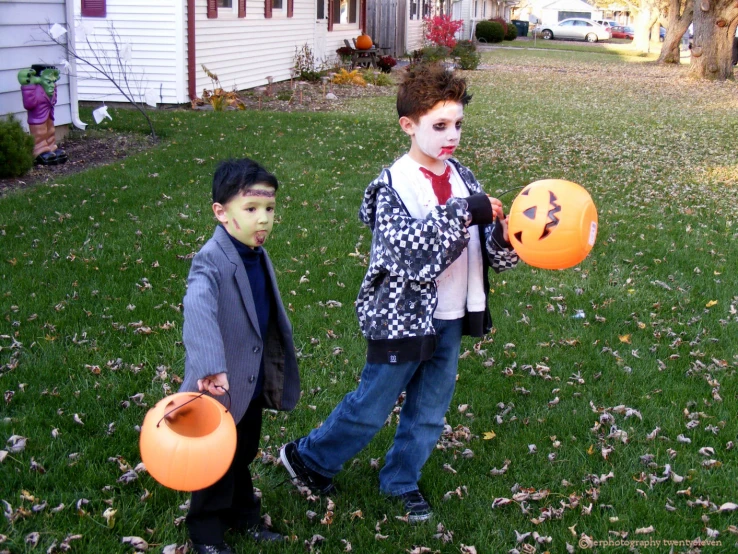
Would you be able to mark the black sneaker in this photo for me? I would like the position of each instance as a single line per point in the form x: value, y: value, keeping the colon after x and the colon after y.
x: 260, y: 533
x: 221, y: 548
x: 416, y: 507
x: 297, y: 469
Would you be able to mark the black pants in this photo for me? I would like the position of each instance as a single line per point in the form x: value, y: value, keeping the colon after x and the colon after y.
x: 230, y: 502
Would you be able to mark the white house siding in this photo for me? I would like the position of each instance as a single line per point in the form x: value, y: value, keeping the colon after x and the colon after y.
x: 244, y: 52
x: 415, y: 35
x: 464, y: 9
x: 22, y: 44
x: 155, y: 31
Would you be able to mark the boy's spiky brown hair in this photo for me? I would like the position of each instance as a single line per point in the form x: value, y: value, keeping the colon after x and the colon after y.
x: 424, y: 85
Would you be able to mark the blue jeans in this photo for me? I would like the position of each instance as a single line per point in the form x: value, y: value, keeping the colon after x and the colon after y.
x: 429, y: 387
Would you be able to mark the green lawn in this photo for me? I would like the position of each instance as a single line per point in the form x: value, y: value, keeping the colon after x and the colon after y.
x: 590, y: 416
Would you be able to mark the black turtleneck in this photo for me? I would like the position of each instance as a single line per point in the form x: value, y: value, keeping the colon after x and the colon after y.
x: 261, y: 290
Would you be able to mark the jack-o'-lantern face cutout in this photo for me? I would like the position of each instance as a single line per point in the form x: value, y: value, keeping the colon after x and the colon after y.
x: 553, y: 224
x: 551, y: 219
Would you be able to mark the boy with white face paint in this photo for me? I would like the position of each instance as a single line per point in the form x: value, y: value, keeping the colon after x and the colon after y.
x: 435, y: 235
x: 237, y: 338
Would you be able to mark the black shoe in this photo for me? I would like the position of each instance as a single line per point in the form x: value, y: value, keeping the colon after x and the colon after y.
x: 416, y: 507
x: 61, y: 156
x: 221, y: 548
x: 297, y: 469
x: 260, y: 533
x: 46, y: 158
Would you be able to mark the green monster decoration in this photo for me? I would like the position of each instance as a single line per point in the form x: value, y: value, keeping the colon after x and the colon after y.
x: 38, y: 87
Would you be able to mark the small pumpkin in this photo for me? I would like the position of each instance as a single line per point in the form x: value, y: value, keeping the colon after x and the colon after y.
x: 364, y: 42
x: 193, y: 447
x: 553, y: 224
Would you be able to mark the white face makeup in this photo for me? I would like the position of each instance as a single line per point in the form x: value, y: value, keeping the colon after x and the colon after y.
x: 249, y: 217
x: 436, y: 135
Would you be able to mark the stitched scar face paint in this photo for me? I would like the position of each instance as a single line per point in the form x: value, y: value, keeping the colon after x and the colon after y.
x: 436, y: 135
x: 249, y: 217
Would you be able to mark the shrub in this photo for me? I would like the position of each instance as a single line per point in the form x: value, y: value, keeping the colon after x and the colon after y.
x: 432, y: 54
x: 466, y: 53
x: 489, y: 31
x: 344, y: 77
x: 386, y: 63
x: 512, y: 32
x: 306, y: 66
x: 377, y: 79
x: 501, y: 22
x: 345, y: 53
x: 16, y: 149
x: 441, y: 30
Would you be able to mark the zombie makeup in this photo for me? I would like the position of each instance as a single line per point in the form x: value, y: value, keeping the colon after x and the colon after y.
x: 249, y: 216
x: 436, y: 134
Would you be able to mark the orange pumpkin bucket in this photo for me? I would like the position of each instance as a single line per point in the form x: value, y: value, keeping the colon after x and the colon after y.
x: 553, y: 224
x: 188, y: 441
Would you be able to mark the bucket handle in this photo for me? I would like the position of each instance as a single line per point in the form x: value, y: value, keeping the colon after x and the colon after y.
x: 228, y: 409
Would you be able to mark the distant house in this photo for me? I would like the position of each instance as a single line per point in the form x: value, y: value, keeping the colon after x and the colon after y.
x: 241, y: 41
x: 398, y: 25
x: 472, y: 11
x: 23, y: 43
x: 550, y: 12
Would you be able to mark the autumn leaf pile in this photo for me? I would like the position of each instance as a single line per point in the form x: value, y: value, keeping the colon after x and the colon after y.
x: 602, y: 407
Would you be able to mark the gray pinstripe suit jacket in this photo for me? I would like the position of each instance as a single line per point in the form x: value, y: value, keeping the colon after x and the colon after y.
x: 221, y: 331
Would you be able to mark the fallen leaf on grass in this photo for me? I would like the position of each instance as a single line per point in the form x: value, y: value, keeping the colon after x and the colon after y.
x: 136, y: 542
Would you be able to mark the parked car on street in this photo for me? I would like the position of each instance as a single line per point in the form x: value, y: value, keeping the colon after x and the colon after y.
x: 576, y: 29
x: 621, y: 31
x: 606, y: 22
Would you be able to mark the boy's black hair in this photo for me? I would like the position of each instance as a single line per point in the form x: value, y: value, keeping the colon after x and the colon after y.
x: 424, y: 85
x: 233, y: 176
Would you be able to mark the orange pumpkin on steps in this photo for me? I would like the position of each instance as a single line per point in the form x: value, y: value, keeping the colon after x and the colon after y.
x: 364, y: 42
x: 193, y: 447
x: 553, y: 224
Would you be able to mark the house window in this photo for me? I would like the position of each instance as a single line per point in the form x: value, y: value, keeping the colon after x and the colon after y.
x: 320, y: 11
x: 93, y: 8
x: 227, y: 6
x: 476, y: 9
x: 276, y: 4
x: 420, y: 9
x: 345, y: 11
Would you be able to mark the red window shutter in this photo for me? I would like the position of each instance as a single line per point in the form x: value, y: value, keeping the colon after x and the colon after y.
x: 330, y: 14
x: 212, y: 9
x: 241, y: 8
x: 268, y: 8
x: 93, y: 8
x: 290, y: 8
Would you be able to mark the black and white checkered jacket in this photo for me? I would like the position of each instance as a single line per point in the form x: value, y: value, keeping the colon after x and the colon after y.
x: 398, y: 295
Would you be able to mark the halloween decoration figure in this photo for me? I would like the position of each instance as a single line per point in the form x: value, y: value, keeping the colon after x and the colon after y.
x: 553, y: 224
x: 38, y: 87
x: 188, y: 441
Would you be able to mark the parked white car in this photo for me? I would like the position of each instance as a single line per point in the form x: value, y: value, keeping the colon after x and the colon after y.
x: 576, y: 29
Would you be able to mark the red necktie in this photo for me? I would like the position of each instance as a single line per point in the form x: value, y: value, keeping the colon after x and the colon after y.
x: 441, y: 184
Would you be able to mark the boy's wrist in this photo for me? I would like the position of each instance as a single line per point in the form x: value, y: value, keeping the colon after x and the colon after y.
x: 480, y: 209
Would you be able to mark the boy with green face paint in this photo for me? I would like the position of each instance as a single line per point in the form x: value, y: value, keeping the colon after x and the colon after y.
x: 38, y: 87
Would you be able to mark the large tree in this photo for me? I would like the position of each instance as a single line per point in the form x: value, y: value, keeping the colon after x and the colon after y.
x: 677, y: 19
x: 715, y: 22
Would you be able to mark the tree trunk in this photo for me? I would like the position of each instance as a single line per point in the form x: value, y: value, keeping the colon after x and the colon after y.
x: 679, y: 17
x: 715, y: 22
x: 645, y: 19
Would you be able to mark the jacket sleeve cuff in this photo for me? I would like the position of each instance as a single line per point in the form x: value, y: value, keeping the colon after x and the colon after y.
x: 499, y: 236
x: 480, y: 209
